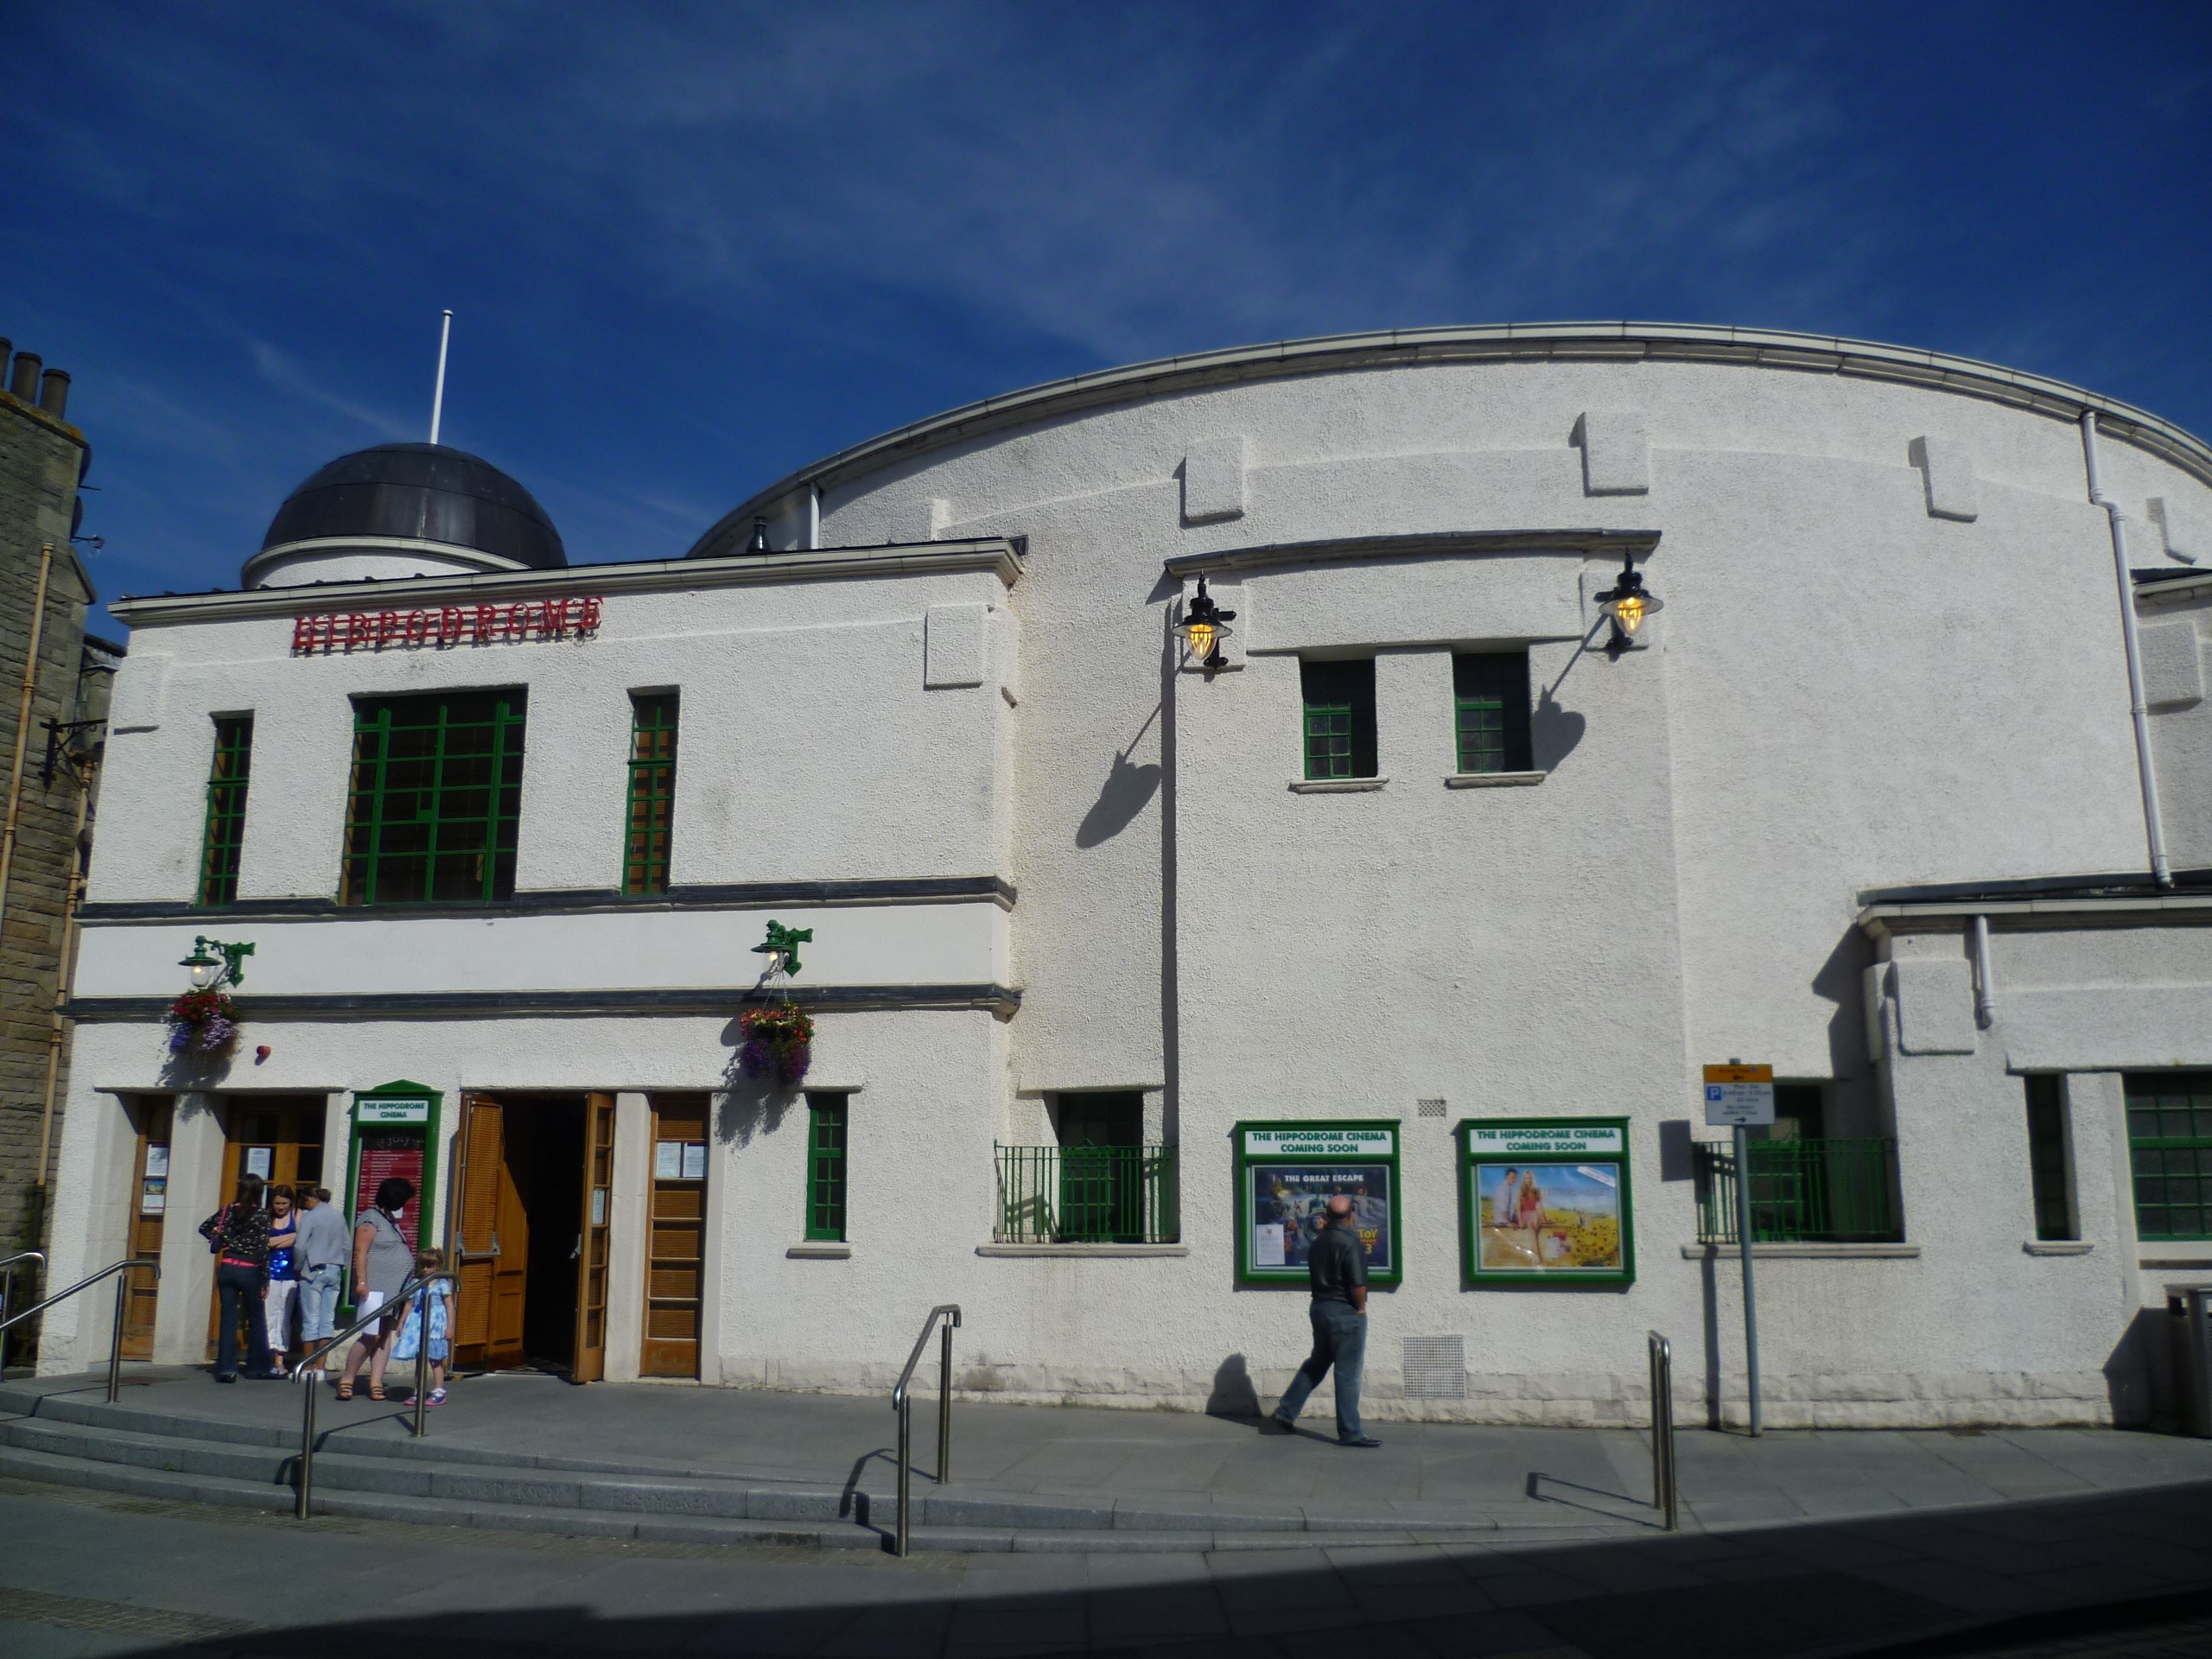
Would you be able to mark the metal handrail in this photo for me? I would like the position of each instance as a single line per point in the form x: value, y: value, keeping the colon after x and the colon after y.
x: 122, y: 1290
x: 902, y: 1402
x: 1664, y: 1496
x: 7, y: 1284
x: 393, y: 1306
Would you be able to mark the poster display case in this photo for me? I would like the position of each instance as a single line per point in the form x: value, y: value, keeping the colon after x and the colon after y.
x: 394, y: 1131
x: 1286, y: 1172
x: 1546, y: 1202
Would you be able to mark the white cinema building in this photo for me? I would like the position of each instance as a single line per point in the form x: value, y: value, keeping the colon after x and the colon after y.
x: 1413, y: 883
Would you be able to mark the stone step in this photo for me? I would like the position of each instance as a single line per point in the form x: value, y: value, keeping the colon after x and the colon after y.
x: 189, y: 1487
x: 436, y: 1470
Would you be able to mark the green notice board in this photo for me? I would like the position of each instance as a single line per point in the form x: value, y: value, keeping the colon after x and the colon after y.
x: 394, y: 1131
x: 1546, y: 1202
x: 1286, y: 1174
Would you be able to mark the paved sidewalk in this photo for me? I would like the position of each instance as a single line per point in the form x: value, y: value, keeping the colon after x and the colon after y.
x: 1535, y: 1481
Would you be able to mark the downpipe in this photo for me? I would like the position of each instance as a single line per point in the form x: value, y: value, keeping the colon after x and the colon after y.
x: 2146, y: 771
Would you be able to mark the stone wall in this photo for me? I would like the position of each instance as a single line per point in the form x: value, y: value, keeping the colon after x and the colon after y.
x: 41, y: 459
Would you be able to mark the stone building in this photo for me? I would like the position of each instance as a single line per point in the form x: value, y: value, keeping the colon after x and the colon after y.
x: 46, y: 787
x: 1436, y: 880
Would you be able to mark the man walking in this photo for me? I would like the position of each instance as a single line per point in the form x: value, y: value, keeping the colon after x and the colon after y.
x: 1338, y: 1270
x: 320, y: 1254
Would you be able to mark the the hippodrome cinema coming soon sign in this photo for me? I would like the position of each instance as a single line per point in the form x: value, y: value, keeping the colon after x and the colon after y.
x: 446, y: 626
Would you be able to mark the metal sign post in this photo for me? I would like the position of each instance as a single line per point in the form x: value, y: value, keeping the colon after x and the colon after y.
x: 1738, y: 1096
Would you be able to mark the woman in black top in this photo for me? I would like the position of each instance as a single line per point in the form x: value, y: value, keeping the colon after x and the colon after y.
x: 239, y: 1232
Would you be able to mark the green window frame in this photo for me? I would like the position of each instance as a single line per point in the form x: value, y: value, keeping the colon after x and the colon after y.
x: 653, y: 790
x: 2047, y: 1158
x: 825, y: 1166
x: 227, y: 776
x: 1490, y: 692
x: 1339, y: 717
x: 2169, y: 1153
x: 436, y: 802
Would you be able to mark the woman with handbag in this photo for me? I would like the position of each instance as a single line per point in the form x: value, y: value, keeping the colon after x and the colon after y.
x: 239, y: 1235
x: 382, y: 1263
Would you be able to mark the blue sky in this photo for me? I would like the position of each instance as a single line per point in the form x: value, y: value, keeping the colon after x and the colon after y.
x: 690, y: 247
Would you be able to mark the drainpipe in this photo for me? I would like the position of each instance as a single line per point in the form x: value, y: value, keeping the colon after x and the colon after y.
x: 73, y: 893
x: 2153, y: 826
x: 813, y: 517
x: 1985, y: 989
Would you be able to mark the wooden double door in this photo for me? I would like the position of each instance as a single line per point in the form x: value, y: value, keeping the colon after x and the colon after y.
x: 278, y: 1138
x: 535, y: 1195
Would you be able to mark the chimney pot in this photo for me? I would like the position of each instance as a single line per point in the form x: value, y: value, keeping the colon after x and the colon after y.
x: 25, y: 384
x: 759, y: 542
x: 53, y: 392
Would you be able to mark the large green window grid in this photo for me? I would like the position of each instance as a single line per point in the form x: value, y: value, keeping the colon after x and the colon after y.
x: 1339, y: 703
x: 2047, y: 1158
x: 825, y: 1167
x: 226, y: 783
x: 2169, y: 1153
x: 653, y: 790
x: 1490, y: 692
x: 435, y: 800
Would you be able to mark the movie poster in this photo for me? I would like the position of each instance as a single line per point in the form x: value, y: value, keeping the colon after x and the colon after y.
x: 1289, y: 1207
x: 1548, y: 1201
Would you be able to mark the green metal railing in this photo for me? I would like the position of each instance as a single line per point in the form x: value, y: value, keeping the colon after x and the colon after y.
x: 1803, y: 1191
x: 1087, y: 1195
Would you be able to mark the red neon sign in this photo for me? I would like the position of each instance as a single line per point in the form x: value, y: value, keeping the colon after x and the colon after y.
x: 445, y: 625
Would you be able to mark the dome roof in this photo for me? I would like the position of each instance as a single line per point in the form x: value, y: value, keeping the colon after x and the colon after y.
x: 423, y: 493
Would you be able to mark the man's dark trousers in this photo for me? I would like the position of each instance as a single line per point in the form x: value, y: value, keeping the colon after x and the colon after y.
x: 1339, y: 1339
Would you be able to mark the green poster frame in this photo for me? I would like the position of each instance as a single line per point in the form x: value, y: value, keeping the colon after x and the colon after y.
x: 1534, y: 1132
x: 1255, y: 1277
x: 433, y: 1147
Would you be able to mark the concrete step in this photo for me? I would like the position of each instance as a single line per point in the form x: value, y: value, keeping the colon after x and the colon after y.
x: 350, y: 1464
x: 199, y: 1487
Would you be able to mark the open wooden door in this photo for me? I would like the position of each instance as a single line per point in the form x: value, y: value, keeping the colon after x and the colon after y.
x: 491, y: 1246
x: 594, y: 1226
x: 150, y: 1186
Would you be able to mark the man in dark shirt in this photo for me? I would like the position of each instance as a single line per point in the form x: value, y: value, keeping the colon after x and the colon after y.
x: 1337, y: 1268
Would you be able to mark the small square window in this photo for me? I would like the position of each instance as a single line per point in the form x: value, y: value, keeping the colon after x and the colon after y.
x: 1339, y: 698
x: 1490, y: 690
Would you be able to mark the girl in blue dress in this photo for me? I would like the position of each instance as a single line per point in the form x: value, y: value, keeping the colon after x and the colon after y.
x: 439, y: 1293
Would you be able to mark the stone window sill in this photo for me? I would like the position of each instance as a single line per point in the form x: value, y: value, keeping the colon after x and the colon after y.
x: 1803, y: 1252
x: 2057, y: 1246
x: 1492, y: 779
x: 1082, y: 1251
x: 820, y: 1249
x: 1336, y: 785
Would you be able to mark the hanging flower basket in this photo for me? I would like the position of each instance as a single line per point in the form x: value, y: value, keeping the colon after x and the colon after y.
x: 778, y: 1042
x: 203, y: 1022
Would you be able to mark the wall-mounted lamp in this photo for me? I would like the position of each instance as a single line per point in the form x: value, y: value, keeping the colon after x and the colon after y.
x: 781, y: 947
x: 1626, y: 604
x: 1204, y: 625
x: 213, y: 962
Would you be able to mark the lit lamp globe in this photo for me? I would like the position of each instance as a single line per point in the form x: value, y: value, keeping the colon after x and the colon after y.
x: 1626, y: 605
x: 1204, y: 625
x: 201, y: 967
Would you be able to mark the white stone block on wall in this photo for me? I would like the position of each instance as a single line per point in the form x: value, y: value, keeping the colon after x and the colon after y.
x: 1874, y: 991
x: 141, y: 695
x: 2173, y: 666
x: 1953, y: 488
x: 1934, y: 1007
x: 1616, y: 454
x: 1213, y: 480
x: 953, y: 646
x: 2184, y: 527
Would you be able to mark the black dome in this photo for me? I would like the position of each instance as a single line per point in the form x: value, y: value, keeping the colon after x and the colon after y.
x: 422, y: 492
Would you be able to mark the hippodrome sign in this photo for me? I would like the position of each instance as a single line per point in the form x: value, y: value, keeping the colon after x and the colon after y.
x: 447, y: 626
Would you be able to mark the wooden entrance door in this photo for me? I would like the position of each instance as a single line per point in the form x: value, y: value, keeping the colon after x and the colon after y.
x: 676, y: 1246
x: 149, y: 1184
x: 492, y: 1249
x: 278, y: 1138
x: 594, y: 1231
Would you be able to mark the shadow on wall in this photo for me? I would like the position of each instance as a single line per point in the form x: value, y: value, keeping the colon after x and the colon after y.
x: 1128, y: 789
x: 749, y: 1105
x: 1553, y: 731
x: 1233, y: 1394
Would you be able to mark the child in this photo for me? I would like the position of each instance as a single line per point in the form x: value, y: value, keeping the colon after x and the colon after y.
x: 439, y: 1292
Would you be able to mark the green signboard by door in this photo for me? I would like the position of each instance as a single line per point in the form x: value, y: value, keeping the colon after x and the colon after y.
x: 394, y: 1132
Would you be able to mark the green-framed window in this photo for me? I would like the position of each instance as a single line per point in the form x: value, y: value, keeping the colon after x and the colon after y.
x: 1489, y: 691
x: 226, y: 784
x: 2169, y: 1153
x: 2047, y: 1158
x: 653, y: 790
x: 825, y: 1166
x: 436, y: 798
x: 1339, y: 704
